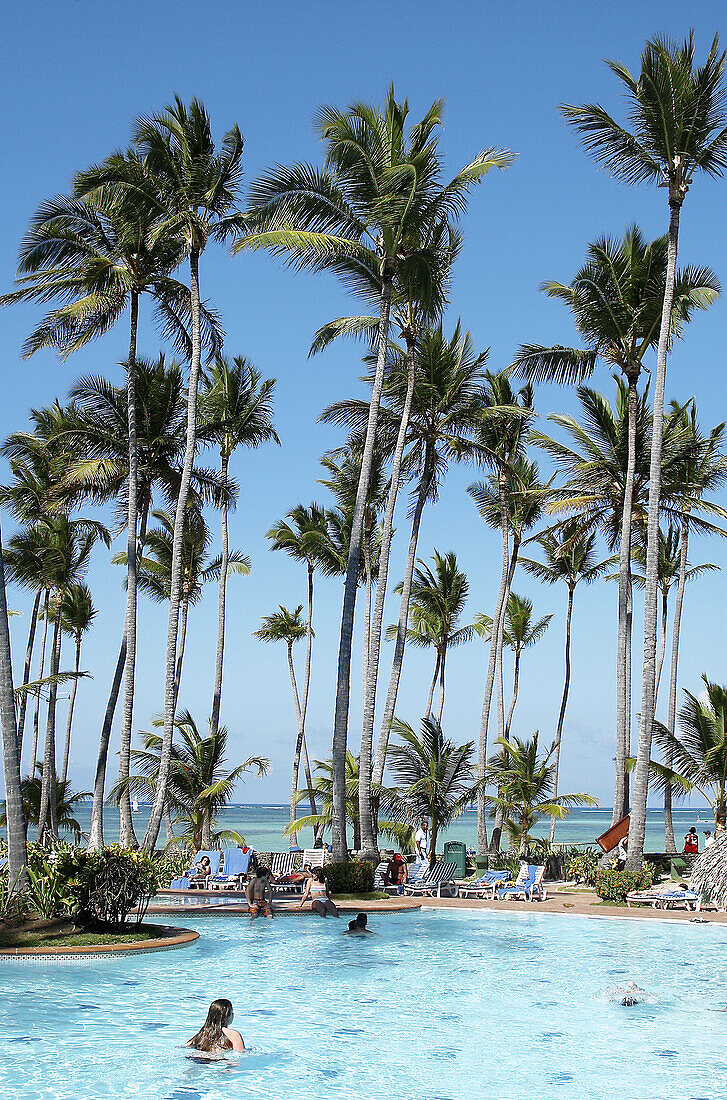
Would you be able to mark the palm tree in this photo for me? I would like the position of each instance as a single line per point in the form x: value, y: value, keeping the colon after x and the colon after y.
x: 616, y: 301
x: 436, y: 778
x: 322, y: 792
x: 520, y: 633
x: 192, y: 188
x: 368, y: 217
x: 288, y: 626
x: 199, y: 784
x: 236, y: 409
x: 526, y: 785
x: 677, y: 116
x: 93, y: 430
x: 699, y: 753
x: 66, y: 801
x: 570, y: 556
x: 15, y: 817
x: 445, y: 405
x: 77, y: 615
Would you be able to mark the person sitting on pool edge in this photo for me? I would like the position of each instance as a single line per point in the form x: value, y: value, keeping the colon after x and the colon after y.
x: 358, y: 927
x: 216, y: 1036
x: 259, y: 894
x: 317, y: 889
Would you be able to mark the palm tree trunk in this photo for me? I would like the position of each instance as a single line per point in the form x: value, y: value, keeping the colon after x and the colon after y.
x: 669, y: 841
x: 71, y: 707
x: 442, y: 665
x: 637, y: 830
x: 155, y: 818
x: 16, y: 832
x: 317, y: 829
x: 662, y: 644
x: 221, y: 602
x: 499, y: 813
x: 563, y: 704
x: 180, y: 650
x: 340, y: 723
x: 623, y: 693
x: 492, y: 664
x: 26, y: 669
x: 127, y: 836
x: 366, y: 551
x: 47, y: 818
x: 41, y: 671
x: 398, y: 658
x: 629, y: 697
x: 300, y: 712
x: 95, y: 836
x: 513, y: 701
x: 365, y: 804
x: 432, y: 686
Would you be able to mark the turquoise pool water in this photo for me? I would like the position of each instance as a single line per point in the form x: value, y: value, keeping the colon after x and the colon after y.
x: 435, y: 1006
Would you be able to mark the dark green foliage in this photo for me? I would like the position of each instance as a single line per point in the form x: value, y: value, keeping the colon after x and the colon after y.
x: 582, y: 867
x: 104, y: 886
x: 614, y: 885
x: 353, y: 877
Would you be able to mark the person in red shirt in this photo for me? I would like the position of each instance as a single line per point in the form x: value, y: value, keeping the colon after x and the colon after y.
x: 691, y: 842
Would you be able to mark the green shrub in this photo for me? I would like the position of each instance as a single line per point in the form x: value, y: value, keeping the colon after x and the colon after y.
x: 612, y: 885
x: 582, y: 866
x: 354, y: 877
x: 49, y: 891
x: 106, y: 885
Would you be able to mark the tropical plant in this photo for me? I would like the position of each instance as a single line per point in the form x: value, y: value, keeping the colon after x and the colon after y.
x: 323, y: 793
x: 525, y: 782
x: 570, y: 556
x: 66, y: 802
x: 520, y: 633
x: 616, y: 301
x: 199, y: 784
x: 236, y: 409
x: 77, y: 615
x: 677, y: 119
x: 435, y: 778
x: 368, y: 217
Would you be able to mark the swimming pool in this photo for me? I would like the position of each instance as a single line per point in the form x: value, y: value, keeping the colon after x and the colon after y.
x: 438, y: 1005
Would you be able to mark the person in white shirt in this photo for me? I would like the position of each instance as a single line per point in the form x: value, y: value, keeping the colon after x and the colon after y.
x: 623, y: 853
x: 708, y: 839
x: 420, y: 841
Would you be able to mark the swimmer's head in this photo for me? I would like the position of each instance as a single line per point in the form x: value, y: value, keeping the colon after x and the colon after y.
x: 352, y: 926
x: 361, y: 920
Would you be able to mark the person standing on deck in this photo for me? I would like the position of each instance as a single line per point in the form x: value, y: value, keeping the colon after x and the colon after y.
x: 421, y: 839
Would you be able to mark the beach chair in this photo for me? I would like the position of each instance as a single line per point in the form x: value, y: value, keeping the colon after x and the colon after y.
x: 665, y: 899
x: 185, y: 882
x: 485, y: 886
x: 416, y: 873
x: 284, y: 864
x: 235, y: 867
x: 440, y: 877
x: 528, y: 885
x: 379, y: 873
x: 316, y: 857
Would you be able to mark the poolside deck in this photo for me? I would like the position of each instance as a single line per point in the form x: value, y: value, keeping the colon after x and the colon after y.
x: 571, y: 902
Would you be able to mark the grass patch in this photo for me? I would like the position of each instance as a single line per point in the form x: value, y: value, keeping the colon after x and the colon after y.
x: 60, y: 934
x: 372, y: 895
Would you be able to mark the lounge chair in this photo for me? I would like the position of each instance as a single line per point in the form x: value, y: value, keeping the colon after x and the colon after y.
x: 485, y: 886
x: 665, y: 899
x: 416, y: 874
x: 284, y: 863
x: 439, y: 877
x: 528, y: 885
x: 235, y: 867
x: 185, y: 882
x: 316, y: 857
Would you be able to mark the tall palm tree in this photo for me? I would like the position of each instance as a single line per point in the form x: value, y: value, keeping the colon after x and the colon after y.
x: 322, y: 792
x: 236, y: 409
x: 570, y: 557
x: 192, y: 187
x: 66, y: 802
x: 93, y: 431
x: 436, y: 779
x: 199, y: 784
x: 526, y: 785
x: 520, y: 633
x: 77, y: 615
x: 17, y: 848
x: 439, y: 381
x: 678, y: 128
x: 616, y: 300
x: 288, y: 626
x: 367, y: 216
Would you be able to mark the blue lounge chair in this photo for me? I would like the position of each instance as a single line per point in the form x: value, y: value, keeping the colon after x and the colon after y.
x: 236, y: 866
x: 485, y: 886
x: 186, y: 879
x: 528, y: 885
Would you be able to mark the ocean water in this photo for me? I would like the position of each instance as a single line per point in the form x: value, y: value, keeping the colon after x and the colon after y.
x: 262, y: 826
x: 435, y: 1005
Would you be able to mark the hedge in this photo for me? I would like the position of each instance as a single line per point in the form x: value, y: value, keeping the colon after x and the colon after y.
x: 614, y: 885
x: 354, y: 877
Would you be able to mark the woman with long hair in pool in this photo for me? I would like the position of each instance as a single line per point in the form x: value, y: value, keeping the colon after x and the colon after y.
x: 216, y: 1036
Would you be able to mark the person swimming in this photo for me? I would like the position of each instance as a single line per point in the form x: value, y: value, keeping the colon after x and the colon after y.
x: 216, y: 1036
x: 357, y: 927
x: 630, y: 995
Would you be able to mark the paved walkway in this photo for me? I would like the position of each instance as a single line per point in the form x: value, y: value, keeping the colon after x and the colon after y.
x: 575, y: 903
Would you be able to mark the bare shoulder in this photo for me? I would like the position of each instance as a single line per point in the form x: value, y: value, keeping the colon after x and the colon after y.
x: 234, y: 1037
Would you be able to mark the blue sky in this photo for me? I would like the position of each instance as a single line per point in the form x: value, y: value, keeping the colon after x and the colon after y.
x: 75, y: 76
